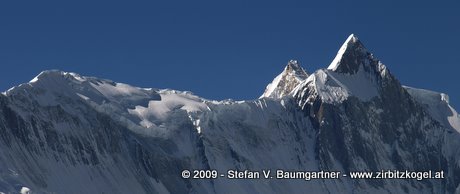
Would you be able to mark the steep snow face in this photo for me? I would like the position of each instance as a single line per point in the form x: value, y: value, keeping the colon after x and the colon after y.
x: 143, y: 110
x: 85, y: 120
x: 158, y: 111
x: 66, y: 133
x: 284, y: 83
x: 353, y: 72
x: 320, y: 83
x: 335, y: 87
x: 256, y: 135
x: 367, y: 120
x: 437, y: 105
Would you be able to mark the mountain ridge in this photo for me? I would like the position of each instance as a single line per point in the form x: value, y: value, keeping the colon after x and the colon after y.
x: 62, y: 131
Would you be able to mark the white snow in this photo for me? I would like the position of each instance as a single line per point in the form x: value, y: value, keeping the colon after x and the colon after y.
x: 454, y: 119
x: 335, y: 87
x: 266, y: 133
x: 83, y: 96
x: 77, y: 77
x: 116, y: 90
x: 335, y: 63
x: 158, y: 110
x: 143, y: 110
x: 330, y: 91
x: 24, y: 190
x: 437, y: 105
x: 272, y: 86
x: 286, y: 81
x: 35, y: 79
x: 360, y: 84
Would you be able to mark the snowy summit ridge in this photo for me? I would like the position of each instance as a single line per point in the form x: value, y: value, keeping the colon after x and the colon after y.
x: 66, y: 133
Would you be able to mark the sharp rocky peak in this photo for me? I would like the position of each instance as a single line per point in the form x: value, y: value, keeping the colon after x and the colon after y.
x: 352, y: 56
x: 353, y: 72
x: 293, y: 67
x: 283, y: 84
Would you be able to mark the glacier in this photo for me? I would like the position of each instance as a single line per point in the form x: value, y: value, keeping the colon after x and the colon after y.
x: 67, y: 133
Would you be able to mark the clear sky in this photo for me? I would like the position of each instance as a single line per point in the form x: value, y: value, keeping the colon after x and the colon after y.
x: 226, y: 49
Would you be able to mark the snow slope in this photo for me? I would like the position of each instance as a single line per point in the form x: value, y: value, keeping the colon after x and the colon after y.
x: 438, y: 106
x: 67, y: 133
x: 353, y: 72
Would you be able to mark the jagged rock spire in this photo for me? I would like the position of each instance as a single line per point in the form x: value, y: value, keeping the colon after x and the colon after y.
x: 351, y: 56
x: 285, y: 82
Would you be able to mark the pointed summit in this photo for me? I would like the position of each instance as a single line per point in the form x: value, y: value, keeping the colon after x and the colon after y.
x: 284, y: 83
x: 351, y: 56
x: 293, y: 66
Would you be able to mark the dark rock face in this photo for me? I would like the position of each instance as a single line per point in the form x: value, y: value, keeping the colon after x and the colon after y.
x: 361, y: 140
x: 63, y: 134
x: 103, y: 146
x: 390, y: 131
x: 354, y: 57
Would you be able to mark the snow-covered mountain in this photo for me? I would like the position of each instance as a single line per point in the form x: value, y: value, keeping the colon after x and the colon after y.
x: 286, y: 81
x: 67, y: 133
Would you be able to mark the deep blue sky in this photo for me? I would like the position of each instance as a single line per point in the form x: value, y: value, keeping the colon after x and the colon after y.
x: 226, y: 49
